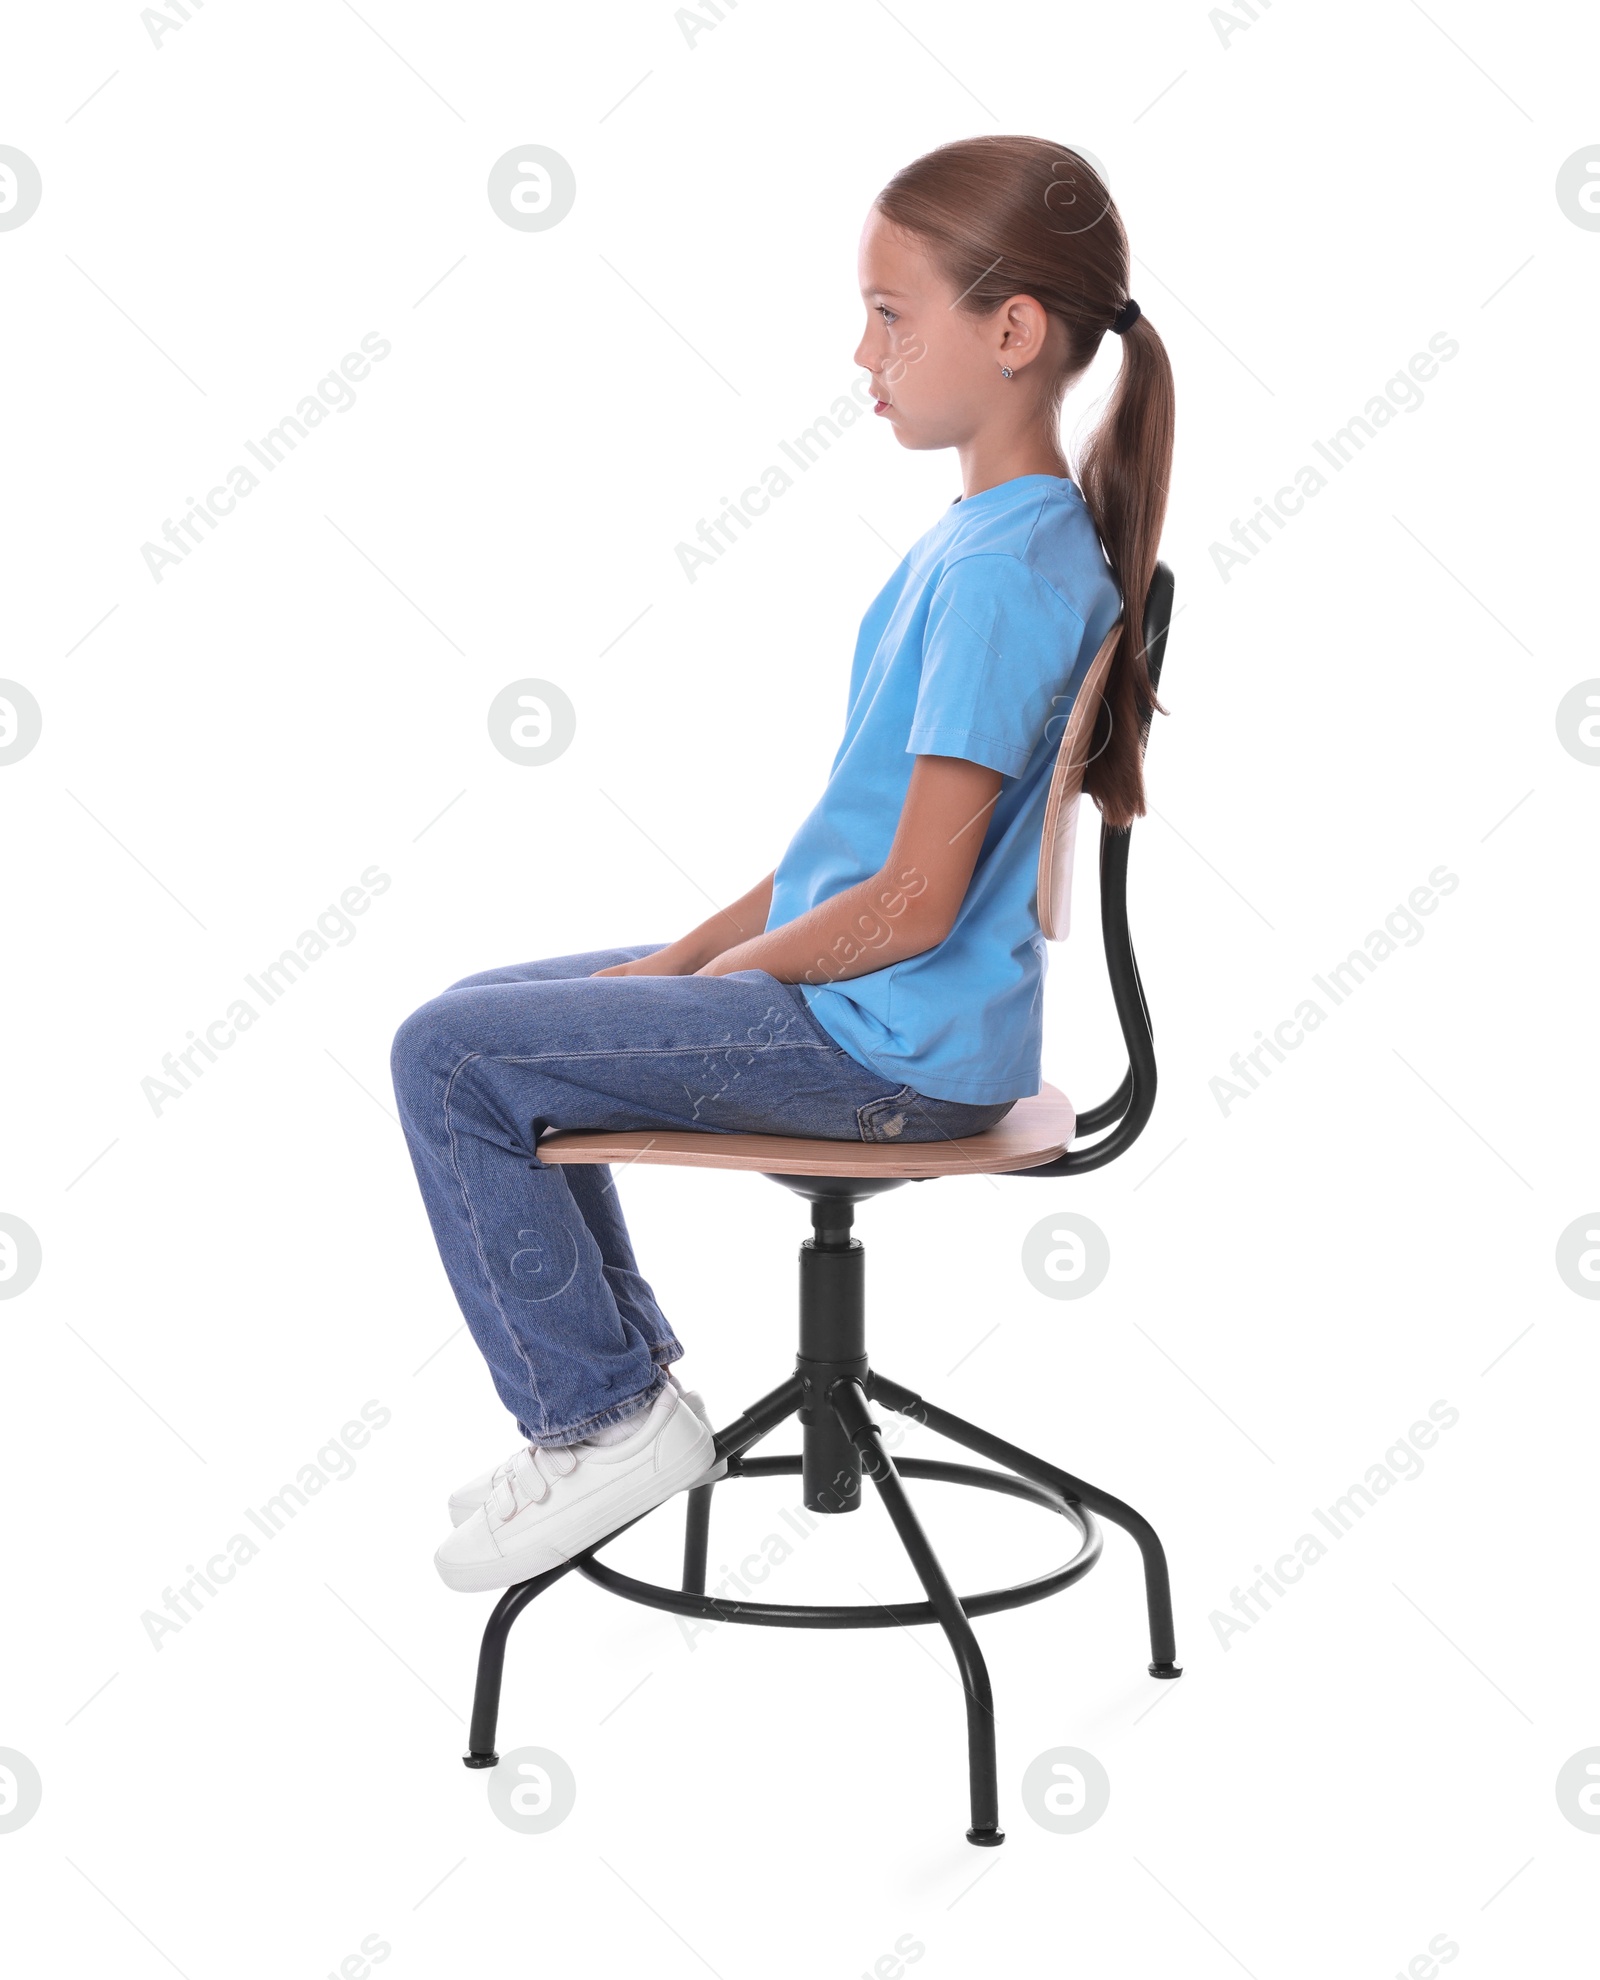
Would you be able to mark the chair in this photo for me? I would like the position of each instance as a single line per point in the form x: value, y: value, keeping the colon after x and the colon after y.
x: 833, y: 1381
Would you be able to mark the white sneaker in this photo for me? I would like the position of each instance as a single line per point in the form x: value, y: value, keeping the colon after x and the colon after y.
x: 552, y: 1503
x: 466, y: 1499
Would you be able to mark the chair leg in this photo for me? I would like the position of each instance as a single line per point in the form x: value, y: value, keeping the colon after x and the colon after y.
x: 758, y: 1421
x: 745, y: 1430
x: 696, y: 1539
x: 850, y: 1406
x: 491, y: 1665
x: 1158, y: 1590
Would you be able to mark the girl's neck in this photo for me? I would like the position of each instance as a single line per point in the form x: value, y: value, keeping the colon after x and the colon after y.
x: 986, y: 467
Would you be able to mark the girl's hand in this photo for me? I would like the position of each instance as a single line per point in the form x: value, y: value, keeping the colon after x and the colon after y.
x: 669, y: 961
x: 701, y: 945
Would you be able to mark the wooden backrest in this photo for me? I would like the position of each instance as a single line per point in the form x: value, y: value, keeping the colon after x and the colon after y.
x: 1066, y: 788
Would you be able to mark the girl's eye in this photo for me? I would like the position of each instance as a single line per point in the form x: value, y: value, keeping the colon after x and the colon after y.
x: 889, y: 315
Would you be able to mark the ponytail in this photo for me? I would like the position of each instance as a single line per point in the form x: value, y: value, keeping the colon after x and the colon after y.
x: 1123, y: 473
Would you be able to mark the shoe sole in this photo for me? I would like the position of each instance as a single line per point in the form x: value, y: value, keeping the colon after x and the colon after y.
x: 479, y: 1577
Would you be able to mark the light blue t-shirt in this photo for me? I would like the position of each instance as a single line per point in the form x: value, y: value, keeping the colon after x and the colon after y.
x: 975, y: 648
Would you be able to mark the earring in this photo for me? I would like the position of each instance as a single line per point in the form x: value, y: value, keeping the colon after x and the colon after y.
x: 1005, y: 371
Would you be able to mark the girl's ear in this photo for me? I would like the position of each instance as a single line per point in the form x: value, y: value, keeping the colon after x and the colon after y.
x: 1023, y: 327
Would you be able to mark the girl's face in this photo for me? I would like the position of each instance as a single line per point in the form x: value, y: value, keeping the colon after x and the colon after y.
x: 936, y: 369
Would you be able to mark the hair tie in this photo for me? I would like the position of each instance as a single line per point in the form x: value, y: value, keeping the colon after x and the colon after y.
x: 1126, y: 317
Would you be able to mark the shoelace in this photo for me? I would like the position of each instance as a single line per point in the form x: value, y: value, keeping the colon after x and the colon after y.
x: 526, y: 1477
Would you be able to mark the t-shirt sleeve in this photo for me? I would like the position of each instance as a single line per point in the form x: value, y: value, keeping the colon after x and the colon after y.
x: 1000, y: 645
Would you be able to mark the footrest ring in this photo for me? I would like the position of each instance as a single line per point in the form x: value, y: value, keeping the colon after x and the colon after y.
x: 865, y: 1615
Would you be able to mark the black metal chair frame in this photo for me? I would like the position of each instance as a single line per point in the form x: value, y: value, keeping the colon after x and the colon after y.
x: 833, y: 1382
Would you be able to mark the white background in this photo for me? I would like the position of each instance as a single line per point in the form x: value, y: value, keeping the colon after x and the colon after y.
x: 1292, y: 1284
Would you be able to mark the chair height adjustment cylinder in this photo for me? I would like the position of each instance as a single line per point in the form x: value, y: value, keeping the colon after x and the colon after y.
x: 832, y: 1345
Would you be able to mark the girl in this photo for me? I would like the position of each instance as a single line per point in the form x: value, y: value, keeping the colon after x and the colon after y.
x: 884, y: 981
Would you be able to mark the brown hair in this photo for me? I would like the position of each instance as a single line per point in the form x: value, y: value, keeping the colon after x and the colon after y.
x: 1008, y: 216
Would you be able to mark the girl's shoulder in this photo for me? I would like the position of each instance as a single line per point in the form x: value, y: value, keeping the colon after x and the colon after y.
x: 1041, y: 540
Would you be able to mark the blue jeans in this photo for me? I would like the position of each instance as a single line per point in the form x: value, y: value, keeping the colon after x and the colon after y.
x: 538, y: 1254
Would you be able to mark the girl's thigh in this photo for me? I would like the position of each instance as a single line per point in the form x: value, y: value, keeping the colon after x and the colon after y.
x: 736, y: 1054
x: 552, y: 1041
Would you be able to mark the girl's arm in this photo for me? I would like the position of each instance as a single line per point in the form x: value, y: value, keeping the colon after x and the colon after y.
x: 746, y: 917
x: 909, y: 905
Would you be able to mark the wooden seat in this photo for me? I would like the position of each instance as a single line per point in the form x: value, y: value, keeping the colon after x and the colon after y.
x: 1036, y: 1130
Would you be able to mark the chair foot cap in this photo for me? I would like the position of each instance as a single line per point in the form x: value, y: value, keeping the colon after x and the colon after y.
x: 986, y: 1838
x: 480, y: 1759
x: 1166, y: 1670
